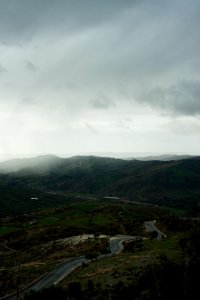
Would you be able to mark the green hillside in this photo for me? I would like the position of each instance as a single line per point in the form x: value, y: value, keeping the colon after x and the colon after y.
x: 174, y: 184
x: 19, y: 200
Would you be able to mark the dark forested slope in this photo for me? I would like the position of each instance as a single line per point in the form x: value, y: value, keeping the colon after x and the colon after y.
x: 171, y: 183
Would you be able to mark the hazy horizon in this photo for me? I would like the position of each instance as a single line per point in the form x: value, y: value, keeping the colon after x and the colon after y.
x: 99, y: 76
x: 121, y: 155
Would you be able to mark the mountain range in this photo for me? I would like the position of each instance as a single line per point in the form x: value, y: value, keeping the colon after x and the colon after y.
x: 32, y: 183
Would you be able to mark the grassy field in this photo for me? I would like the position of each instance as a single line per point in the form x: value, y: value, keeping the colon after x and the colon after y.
x: 177, y: 211
x: 7, y: 229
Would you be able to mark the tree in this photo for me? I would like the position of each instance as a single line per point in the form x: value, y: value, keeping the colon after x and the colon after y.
x: 153, y: 234
x: 92, y: 255
x: 51, y: 293
x: 74, y: 291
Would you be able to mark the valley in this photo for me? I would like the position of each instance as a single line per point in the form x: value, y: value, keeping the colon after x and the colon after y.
x: 50, y: 181
x: 63, y: 214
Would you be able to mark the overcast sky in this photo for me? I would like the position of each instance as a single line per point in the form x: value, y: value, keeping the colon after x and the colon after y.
x: 79, y: 76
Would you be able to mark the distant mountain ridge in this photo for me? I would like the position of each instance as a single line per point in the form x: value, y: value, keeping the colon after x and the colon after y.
x: 163, y: 157
x: 45, y: 163
x: 174, y: 183
x: 39, y: 162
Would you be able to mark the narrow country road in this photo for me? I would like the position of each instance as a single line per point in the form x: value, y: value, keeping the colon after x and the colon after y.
x: 70, y: 265
x: 116, y: 242
x: 150, y: 226
x: 67, y: 267
x: 59, y: 273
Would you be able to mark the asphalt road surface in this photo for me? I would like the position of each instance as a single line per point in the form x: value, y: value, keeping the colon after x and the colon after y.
x: 116, y: 242
x: 59, y: 273
x: 150, y: 226
x: 70, y: 265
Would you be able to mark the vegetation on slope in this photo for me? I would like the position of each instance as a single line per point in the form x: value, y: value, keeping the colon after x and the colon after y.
x: 174, y: 184
x: 38, y: 241
x: 157, y: 269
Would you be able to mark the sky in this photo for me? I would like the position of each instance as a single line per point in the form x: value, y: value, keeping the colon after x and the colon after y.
x: 84, y: 76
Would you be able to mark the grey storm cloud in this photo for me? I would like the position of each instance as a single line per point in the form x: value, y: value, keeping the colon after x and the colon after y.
x: 108, y: 40
x: 102, y: 45
x: 73, y: 67
x: 182, y: 98
x: 21, y: 19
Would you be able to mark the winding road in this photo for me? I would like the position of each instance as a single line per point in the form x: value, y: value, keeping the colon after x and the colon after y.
x: 116, y: 242
x: 70, y: 265
x: 59, y: 273
x: 67, y: 267
x: 151, y: 227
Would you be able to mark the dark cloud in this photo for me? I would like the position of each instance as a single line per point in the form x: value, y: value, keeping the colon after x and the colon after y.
x: 182, y: 98
x: 83, y: 66
x: 21, y: 19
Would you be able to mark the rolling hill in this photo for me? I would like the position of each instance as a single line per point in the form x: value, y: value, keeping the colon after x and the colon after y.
x: 174, y: 183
